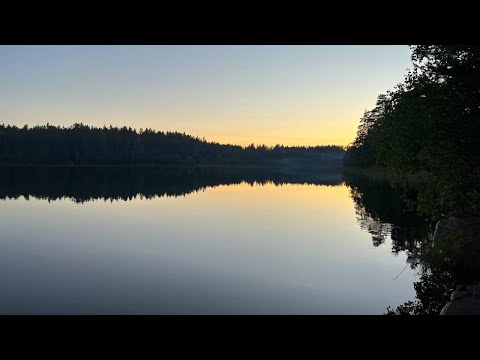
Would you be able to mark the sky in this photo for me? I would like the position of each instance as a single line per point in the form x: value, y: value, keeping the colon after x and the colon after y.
x: 290, y: 95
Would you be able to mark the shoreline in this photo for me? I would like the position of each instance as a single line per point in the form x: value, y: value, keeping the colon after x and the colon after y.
x: 276, y: 166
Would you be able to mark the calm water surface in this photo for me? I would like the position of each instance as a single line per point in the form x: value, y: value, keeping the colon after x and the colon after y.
x: 194, y: 245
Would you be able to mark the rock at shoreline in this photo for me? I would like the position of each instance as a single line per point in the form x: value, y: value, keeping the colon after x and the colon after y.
x: 449, y: 225
x: 464, y: 301
x: 457, y: 295
x: 469, y: 305
x: 453, y: 225
x: 458, y: 240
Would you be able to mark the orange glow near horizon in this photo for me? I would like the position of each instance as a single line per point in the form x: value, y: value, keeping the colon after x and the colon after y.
x: 326, y: 133
x: 282, y: 140
x: 288, y: 95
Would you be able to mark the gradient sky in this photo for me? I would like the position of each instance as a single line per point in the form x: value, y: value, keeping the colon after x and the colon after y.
x: 291, y: 95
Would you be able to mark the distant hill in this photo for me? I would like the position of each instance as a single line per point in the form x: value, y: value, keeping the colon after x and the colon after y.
x: 84, y: 145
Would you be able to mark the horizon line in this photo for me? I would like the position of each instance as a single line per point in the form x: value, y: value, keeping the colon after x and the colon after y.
x: 141, y: 130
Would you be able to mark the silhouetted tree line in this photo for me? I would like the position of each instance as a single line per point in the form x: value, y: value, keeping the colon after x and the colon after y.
x: 126, y: 183
x: 430, y: 123
x: 81, y: 144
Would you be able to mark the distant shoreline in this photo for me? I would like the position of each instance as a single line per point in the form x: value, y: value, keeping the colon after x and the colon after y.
x: 279, y: 166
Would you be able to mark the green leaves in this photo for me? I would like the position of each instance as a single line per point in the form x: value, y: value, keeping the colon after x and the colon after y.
x: 431, y: 123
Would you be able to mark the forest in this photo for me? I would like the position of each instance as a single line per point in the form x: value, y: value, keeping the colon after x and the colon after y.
x: 81, y: 144
x: 429, y: 124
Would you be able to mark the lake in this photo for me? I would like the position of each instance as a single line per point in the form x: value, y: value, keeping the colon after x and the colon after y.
x: 201, y: 241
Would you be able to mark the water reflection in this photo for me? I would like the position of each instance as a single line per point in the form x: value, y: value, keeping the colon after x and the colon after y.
x: 287, y: 246
x: 385, y: 211
x: 126, y: 183
x: 292, y: 251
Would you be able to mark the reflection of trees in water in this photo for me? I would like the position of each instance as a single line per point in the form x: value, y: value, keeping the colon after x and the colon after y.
x: 385, y: 211
x: 367, y: 219
x: 382, y: 211
x: 433, y: 292
x: 378, y: 229
x: 126, y: 183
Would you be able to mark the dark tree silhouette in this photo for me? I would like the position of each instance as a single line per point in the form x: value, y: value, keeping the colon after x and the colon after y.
x: 430, y: 123
x: 84, y: 145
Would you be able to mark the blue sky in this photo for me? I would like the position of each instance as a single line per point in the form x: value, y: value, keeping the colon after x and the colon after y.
x: 293, y: 95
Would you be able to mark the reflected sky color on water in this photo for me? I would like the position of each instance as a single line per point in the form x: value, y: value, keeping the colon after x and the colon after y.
x: 229, y: 249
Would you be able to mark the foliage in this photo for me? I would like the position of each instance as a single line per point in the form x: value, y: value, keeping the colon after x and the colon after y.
x: 430, y: 123
x: 81, y: 144
x: 457, y: 249
x: 433, y: 292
